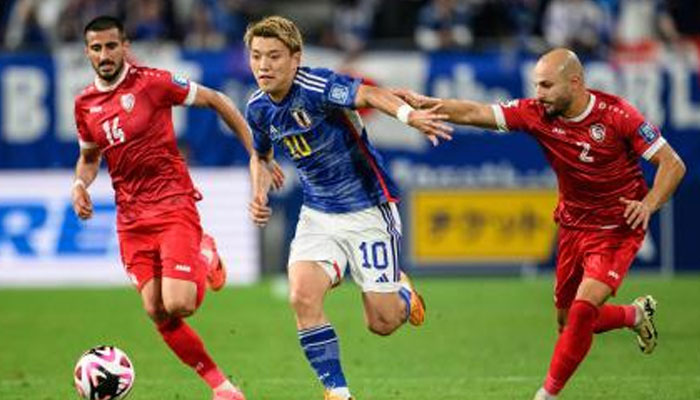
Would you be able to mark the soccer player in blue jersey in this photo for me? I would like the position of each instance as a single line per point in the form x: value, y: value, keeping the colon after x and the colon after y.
x: 349, y: 216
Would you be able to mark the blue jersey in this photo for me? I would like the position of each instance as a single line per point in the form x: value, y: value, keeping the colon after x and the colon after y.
x: 317, y: 127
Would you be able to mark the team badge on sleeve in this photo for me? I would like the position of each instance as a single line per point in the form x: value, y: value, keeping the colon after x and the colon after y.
x: 597, y: 132
x: 648, y: 132
x: 180, y: 80
x: 339, y: 93
x: 128, y: 100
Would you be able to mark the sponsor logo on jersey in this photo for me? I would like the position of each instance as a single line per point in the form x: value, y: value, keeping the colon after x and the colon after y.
x: 95, y: 109
x: 509, y: 103
x: 274, y: 133
x: 559, y: 131
x: 183, y: 268
x: 597, y: 132
x: 614, y: 275
x: 180, y: 80
x: 647, y: 132
x: 339, y: 93
x: 128, y: 100
x: 302, y: 117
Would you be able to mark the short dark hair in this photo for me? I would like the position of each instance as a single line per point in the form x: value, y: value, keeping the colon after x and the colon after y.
x: 103, y: 23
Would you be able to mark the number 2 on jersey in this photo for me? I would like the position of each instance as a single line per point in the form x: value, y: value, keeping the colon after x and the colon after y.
x: 114, y: 133
x: 584, y: 152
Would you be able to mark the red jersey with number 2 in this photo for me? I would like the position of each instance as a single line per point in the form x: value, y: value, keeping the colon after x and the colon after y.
x: 131, y: 123
x: 595, y: 155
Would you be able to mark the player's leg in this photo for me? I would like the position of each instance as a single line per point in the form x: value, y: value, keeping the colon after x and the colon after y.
x: 182, y: 289
x: 309, y: 281
x: 372, y: 242
x: 607, y: 257
x: 216, y: 268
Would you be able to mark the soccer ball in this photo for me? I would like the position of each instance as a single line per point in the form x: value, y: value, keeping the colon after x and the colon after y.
x: 104, y: 373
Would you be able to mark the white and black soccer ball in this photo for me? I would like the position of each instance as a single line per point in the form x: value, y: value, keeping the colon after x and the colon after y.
x: 104, y: 373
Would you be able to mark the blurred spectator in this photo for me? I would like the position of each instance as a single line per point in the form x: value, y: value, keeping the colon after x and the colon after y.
x: 201, y: 32
x: 31, y: 23
x: 150, y: 20
x: 444, y: 24
x: 640, y: 21
x: 686, y: 17
x: 576, y: 24
x: 76, y: 13
x: 351, y: 25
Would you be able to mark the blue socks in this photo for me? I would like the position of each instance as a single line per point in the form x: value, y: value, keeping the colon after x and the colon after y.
x: 320, y: 344
x: 405, y: 295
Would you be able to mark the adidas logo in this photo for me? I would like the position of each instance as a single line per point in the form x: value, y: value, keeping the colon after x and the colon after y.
x: 382, y: 279
x: 183, y: 268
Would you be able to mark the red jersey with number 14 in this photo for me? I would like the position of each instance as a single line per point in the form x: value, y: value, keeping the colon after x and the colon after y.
x: 595, y: 155
x: 131, y: 123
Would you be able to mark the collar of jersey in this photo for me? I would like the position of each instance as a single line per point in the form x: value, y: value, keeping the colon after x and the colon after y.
x: 102, y: 88
x: 286, y: 97
x: 585, y: 113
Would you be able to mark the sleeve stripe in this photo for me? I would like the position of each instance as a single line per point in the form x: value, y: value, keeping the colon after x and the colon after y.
x: 191, y: 94
x: 654, y: 148
x: 500, y: 118
x: 310, y: 82
x: 312, y: 88
x: 87, y: 145
x: 312, y: 77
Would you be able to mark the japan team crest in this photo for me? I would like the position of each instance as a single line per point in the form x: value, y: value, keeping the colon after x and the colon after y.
x: 597, y: 132
x: 302, y: 117
x: 128, y: 100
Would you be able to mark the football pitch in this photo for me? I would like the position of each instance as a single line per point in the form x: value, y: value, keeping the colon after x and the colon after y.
x: 483, y: 339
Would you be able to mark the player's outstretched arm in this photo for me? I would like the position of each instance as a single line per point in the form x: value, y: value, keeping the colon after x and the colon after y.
x: 670, y: 171
x: 261, y: 175
x: 462, y: 112
x: 227, y: 110
x: 429, y: 121
x: 85, y: 173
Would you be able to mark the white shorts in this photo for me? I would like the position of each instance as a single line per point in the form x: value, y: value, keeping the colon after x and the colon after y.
x: 367, y: 241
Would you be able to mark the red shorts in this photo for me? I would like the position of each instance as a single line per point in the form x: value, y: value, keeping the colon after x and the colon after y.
x: 604, y: 255
x: 167, y: 245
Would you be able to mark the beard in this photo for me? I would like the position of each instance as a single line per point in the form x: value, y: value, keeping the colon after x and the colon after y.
x: 557, y: 107
x: 112, y: 76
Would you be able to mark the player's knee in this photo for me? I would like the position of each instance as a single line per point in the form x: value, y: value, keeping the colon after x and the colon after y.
x: 180, y: 308
x: 382, y: 326
x: 303, y: 302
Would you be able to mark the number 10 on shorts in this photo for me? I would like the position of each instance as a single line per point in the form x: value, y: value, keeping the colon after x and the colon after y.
x: 376, y: 254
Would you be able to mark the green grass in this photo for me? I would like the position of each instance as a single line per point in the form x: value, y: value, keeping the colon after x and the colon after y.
x: 484, y: 339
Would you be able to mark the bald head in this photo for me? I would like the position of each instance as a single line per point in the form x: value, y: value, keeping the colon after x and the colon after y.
x: 562, y: 61
x: 559, y: 84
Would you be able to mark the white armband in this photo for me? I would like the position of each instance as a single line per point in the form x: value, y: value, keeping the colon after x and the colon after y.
x: 403, y: 112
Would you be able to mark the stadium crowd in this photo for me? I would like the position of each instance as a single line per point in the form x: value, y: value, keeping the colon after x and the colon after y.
x: 592, y: 27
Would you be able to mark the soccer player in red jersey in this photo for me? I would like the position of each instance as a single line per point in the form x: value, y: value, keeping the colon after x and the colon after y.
x: 126, y: 116
x: 593, y: 141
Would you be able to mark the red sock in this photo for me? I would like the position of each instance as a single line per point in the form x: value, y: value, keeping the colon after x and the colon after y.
x: 572, y: 346
x: 612, y: 316
x: 189, y: 348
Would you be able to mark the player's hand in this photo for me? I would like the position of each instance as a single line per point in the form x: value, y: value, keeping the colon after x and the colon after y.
x: 82, y: 204
x: 416, y: 100
x: 430, y: 122
x: 277, y: 175
x: 260, y: 212
x: 636, y: 213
